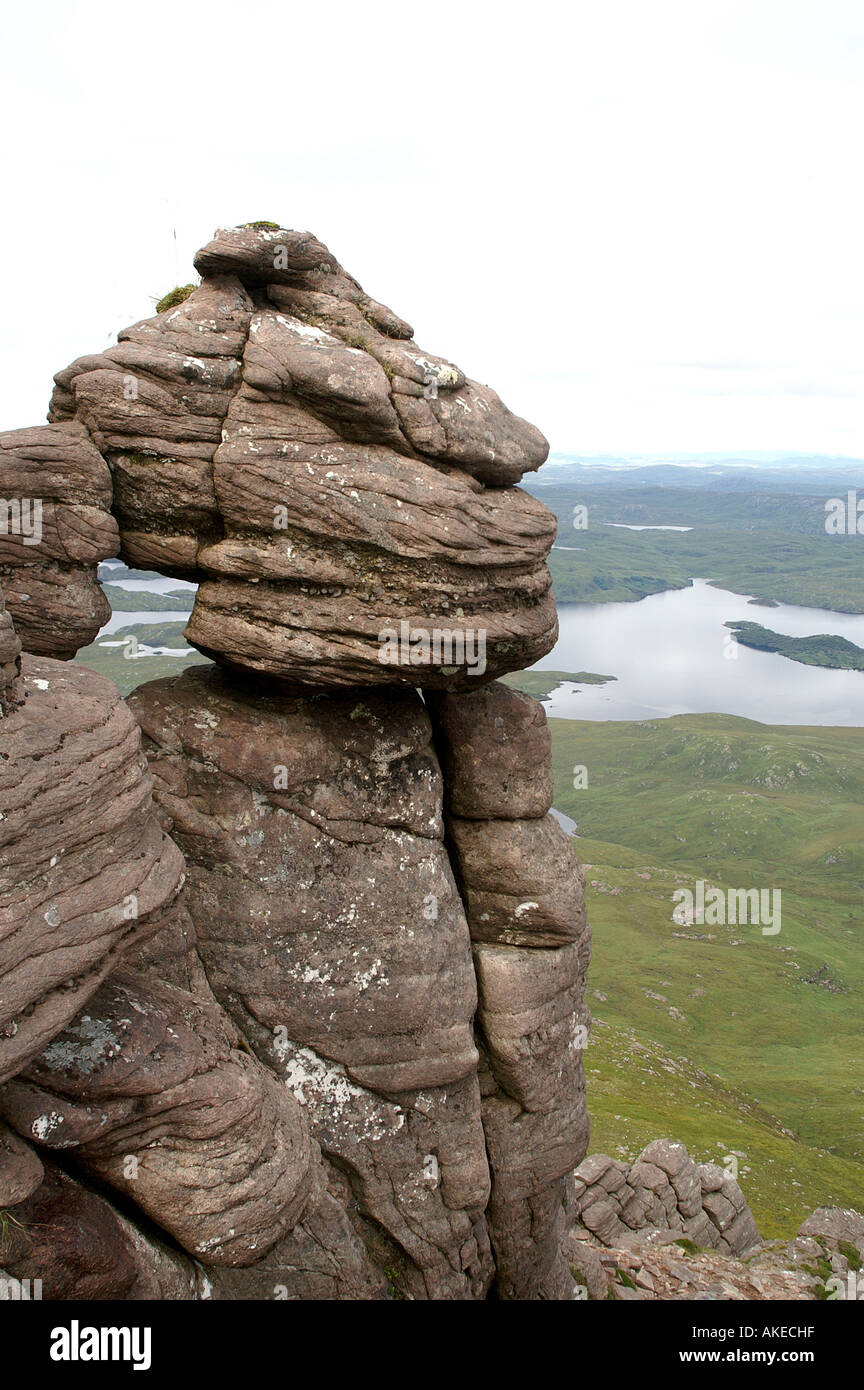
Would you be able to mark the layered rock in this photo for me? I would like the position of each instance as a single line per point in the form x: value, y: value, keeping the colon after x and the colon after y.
x: 281, y: 438
x: 10, y: 661
x: 147, y: 1090
x: 523, y: 893
x: 349, y: 1049
x: 331, y: 930
x: 57, y: 526
x: 84, y: 865
x: 664, y: 1190
x: 77, y: 1245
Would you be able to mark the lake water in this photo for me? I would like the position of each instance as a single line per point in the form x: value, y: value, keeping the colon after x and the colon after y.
x: 118, y: 620
x: 668, y: 653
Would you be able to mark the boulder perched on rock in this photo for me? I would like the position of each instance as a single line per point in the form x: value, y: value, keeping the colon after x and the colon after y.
x: 345, y: 499
x: 326, y: 1038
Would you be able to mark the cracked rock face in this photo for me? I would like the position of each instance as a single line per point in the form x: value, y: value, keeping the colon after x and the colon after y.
x: 330, y: 929
x: 281, y: 438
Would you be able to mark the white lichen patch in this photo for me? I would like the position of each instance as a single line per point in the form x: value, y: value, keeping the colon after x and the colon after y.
x: 45, y: 1125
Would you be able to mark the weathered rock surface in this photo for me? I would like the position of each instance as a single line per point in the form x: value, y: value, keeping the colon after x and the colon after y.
x: 147, y: 1090
x: 519, y: 880
x: 84, y: 865
x: 330, y: 929
x: 533, y: 1029
x: 523, y: 896
x: 20, y: 1169
x: 280, y: 437
x: 80, y: 1247
x: 496, y: 753
x: 10, y: 661
x: 60, y: 527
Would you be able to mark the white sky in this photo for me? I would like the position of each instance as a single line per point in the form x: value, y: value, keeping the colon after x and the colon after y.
x: 640, y: 220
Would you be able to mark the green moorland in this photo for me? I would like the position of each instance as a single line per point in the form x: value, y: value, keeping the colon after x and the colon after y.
x: 773, y: 547
x: 724, y: 1037
x: 822, y: 650
x: 141, y: 601
x: 128, y: 671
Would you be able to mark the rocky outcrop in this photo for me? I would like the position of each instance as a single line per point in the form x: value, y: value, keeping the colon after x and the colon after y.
x: 664, y: 1190
x: 57, y: 526
x: 331, y: 930
x: 665, y: 1227
x: 524, y: 903
x: 319, y: 1024
x: 84, y: 865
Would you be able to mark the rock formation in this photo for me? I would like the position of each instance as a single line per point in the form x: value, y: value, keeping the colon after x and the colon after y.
x: 664, y: 1190
x: 303, y: 979
x: 281, y: 438
x: 292, y: 953
x: 665, y: 1227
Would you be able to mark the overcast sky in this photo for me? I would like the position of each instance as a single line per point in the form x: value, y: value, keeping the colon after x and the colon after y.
x: 642, y: 221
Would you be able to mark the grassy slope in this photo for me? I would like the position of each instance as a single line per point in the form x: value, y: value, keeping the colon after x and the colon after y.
x: 741, y: 805
x: 139, y: 600
x: 129, y: 672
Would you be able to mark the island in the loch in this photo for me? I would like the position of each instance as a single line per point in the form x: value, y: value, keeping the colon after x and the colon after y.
x: 542, y: 683
x: 825, y: 649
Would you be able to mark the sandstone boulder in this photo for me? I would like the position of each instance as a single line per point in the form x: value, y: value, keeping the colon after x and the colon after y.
x: 496, y: 753
x: 279, y: 437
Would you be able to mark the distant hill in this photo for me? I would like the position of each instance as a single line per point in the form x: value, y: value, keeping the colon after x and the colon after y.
x: 785, y: 473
